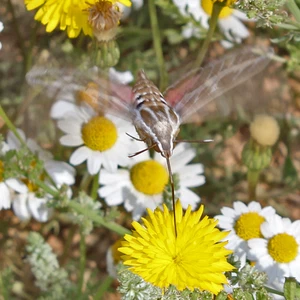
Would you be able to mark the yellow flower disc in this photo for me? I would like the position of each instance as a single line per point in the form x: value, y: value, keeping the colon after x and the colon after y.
x: 149, y: 177
x: 283, y: 248
x: 207, y: 6
x: 248, y: 226
x: 195, y: 258
x: 1, y: 170
x: 70, y: 15
x: 99, y: 134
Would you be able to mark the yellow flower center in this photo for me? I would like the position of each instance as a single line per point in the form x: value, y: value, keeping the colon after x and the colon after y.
x: 207, y: 6
x: 248, y: 226
x: 30, y: 185
x: 1, y: 170
x: 283, y: 248
x: 149, y: 177
x: 99, y: 134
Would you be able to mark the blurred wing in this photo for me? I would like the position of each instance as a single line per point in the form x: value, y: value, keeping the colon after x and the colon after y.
x: 199, y: 87
x: 103, y: 93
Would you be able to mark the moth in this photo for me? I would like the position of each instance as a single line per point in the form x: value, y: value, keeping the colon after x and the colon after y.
x: 157, y: 116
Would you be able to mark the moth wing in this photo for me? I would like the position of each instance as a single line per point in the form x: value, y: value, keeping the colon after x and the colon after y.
x: 105, y: 94
x: 195, y: 91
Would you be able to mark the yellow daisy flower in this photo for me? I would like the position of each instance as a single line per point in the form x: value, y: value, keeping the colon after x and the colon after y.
x: 70, y: 15
x: 194, y: 259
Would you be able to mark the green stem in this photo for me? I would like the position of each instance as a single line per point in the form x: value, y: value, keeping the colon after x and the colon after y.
x: 11, y: 126
x: 82, y: 262
x: 46, y: 187
x: 95, y: 187
x: 294, y: 9
x: 103, y: 287
x: 252, y: 176
x: 3, y: 289
x: 273, y: 291
x: 217, y: 7
x: 93, y: 215
x: 158, y: 46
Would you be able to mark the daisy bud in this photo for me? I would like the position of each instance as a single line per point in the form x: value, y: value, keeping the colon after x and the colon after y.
x: 108, y: 54
x: 257, y: 152
x: 265, y: 130
x: 256, y: 157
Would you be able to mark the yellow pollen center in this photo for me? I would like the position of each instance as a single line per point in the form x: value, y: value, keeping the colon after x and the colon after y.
x: 283, y: 248
x: 207, y: 6
x: 99, y: 134
x: 30, y: 185
x: 149, y: 177
x: 248, y: 226
x: 1, y: 170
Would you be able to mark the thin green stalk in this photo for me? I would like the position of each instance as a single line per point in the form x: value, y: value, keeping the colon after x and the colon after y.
x: 252, y: 177
x: 46, y: 187
x: 294, y: 9
x: 103, y: 287
x: 158, y: 46
x: 268, y: 289
x: 3, y: 290
x: 217, y: 7
x: 11, y: 126
x: 82, y: 262
x: 95, y: 187
x: 93, y: 215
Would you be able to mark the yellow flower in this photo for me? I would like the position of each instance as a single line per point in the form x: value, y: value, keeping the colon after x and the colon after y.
x: 195, y: 258
x: 70, y: 15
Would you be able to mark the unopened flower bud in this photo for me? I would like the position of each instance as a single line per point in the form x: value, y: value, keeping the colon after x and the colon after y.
x: 265, y: 130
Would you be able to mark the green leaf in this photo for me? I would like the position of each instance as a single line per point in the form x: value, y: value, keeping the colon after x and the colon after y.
x: 291, y: 289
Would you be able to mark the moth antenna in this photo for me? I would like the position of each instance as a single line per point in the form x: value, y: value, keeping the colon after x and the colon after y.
x: 173, y: 192
x: 194, y: 141
x: 133, y: 137
x: 139, y: 152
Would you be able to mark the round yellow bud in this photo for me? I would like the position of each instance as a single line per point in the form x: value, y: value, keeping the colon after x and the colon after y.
x: 265, y: 130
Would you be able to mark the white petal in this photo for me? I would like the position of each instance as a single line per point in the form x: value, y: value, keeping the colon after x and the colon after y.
x: 94, y: 162
x: 60, y: 172
x: 60, y: 108
x: 233, y: 28
x: 38, y: 208
x: 17, y: 185
x: 122, y: 77
x: 240, y: 207
x: 71, y: 140
x: 80, y: 155
x: 5, y: 198
x: 71, y: 127
x: 254, y: 206
x: 20, y: 207
x: 187, y: 197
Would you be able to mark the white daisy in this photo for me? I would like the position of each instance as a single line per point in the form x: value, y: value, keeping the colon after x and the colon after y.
x: 142, y: 186
x: 277, y: 252
x: 7, y: 186
x: 72, y: 93
x: 26, y: 203
x: 243, y: 222
x: 229, y: 20
x: 101, y: 139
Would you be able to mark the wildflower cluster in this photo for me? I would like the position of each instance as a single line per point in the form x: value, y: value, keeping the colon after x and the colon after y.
x: 261, y: 236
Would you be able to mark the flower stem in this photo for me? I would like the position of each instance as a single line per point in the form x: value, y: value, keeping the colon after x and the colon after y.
x: 270, y: 290
x: 11, y: 126
x: 217, y: 7
x: 92, y: 215
x: 294, y: 9
x: 82, y: 262
x: 252, y: 177
x: 95, y: 187
x: 158, y: 46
